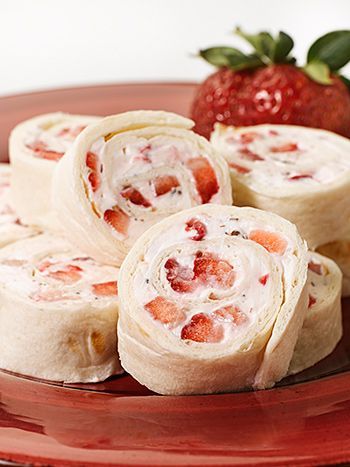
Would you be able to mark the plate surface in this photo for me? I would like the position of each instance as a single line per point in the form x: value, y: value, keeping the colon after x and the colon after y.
x: 304, y: 421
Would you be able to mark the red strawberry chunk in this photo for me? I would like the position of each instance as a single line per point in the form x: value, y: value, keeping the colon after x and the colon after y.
x: 93, y: 177
x: 196, y: 225
x: 68, y: 274
x: 299, y: 177
x: 314, y: 267
x: 94, y: 180
x: 118, y: 219
x: 202, y: 328
x: 239, y: 168
x: 246, y: 153
x: 288, y: 147
x: 212, y: 271
x: 92, y: 161
x: 40, y: 149
x: 135, y: 197
x: 312, y: 301
x: 181, y: 278
x: 104, y: 289
x: 271, y: 241
x: 232, y: 314
x: 165, y: 311
x: 273, y: 133
x: 249, y: 137
x: 204, y: 175
x: 52, y: 295
x: 263, y: 279
x: 165, y: 183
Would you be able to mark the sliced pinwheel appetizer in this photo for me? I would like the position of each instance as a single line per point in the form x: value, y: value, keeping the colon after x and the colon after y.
x: 58, y: 312
x: 322, y: 327
x: 302, y: 174
x: 212, y: 300
x: 35, y: 147
x: 127, y: 172
x: 11, y: 228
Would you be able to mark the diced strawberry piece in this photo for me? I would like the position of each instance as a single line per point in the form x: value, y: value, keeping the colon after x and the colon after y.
x: 165, y: 311
x: 93, y: 177
x: 314, y: 267
x: 68, y: 274
x: 181, y: 278
x: 263, y: 279
x: 94, y: 180
x: 165, y: 183
x: 72, y: 132
x: 118, y: 219
x: 40, y: 149
x: 197, y: 226
x: 204, y: 175
x: 232, y: 314
x: 104, y: 289
x: 249, y: 137
x: 92, y: 161
x: 44, y: 265
x: 288, y: 147
x: 271, y: 241
x: 246, y: 153
x: 135, y: 197
x: 312, y: 301
x: 273, y: 133
x: 202, y: 328
x: 212, y: 271
x: 299, y: 177
x: 239, y: 168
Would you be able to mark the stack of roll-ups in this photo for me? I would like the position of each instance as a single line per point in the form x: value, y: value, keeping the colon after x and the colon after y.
x: 209, y: 297
x: 302, y: 174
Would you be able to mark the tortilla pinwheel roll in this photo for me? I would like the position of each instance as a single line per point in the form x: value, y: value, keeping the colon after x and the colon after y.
x: 322, y: 327
x: 58, y: 312
x: 212, y: 300
x: 11, y: 228
x: 35, y: 147
x: 128, y: 172
x: 340, y: 253
x: 302, y: 174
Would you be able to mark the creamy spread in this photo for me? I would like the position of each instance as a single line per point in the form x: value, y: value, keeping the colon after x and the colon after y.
x: 52, y: 138
x: 134, y: 181
x: 277, y: 156
x: 208, y: 279
x: 56, y: 276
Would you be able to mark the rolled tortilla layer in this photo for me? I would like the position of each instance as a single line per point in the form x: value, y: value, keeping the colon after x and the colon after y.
x: 340, y: 253
x: 58, y: 312
x: 35, y: 146
x: 302, y: 174
x: 128, y: 172
x: 11, y: 228
x: 212, y: 300
x: 322, y: 327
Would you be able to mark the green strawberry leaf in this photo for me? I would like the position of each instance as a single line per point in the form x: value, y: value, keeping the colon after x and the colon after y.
x: 283, y: 44
x: 230, y: 57
x: 318, y: 71
x: 262, y: 42
x: 332, y: 48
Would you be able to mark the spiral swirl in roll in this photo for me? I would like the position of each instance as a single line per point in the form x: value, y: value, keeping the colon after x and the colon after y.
x: 129, y: 171
x: 302, y: 174
x: 212, y: 300
x: 58, y: 313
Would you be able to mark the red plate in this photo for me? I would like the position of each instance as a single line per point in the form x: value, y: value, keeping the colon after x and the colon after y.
x: 304, y: 421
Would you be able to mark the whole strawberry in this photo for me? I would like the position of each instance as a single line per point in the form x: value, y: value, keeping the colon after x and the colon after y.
x: 267, y: 86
